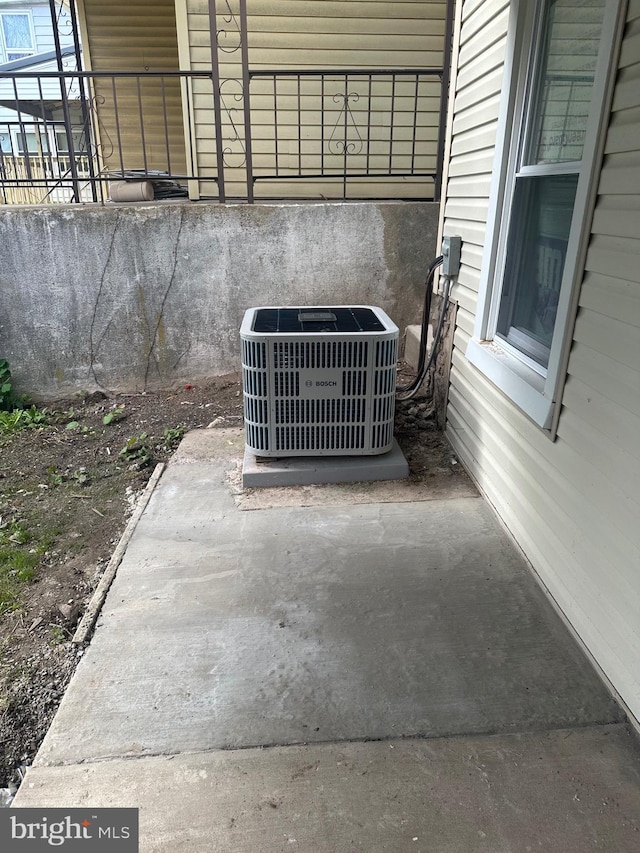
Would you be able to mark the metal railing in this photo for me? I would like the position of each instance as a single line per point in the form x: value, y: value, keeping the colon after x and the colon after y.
x: 348, y: 125
x: 70, y: 133
x: 333, y: 133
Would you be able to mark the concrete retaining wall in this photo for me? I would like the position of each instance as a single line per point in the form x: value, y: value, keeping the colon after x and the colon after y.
x: 126, y: 298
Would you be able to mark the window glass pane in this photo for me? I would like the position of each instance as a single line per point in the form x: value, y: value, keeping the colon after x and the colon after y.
x: 33, y: 142
x: 62, y: 141
x: 16, y: 31
x: 536, y: 250
x: 571, y: 36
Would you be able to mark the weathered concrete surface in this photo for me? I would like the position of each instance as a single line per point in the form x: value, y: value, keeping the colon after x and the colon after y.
x: 567, y: 790
x: 343, y: 623
x: 227, y: 629
x: 437, y: 482
x: 127, y: 297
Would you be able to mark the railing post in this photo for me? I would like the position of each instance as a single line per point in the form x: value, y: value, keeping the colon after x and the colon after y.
x: 246, y: 95
x: 217, y: 98
x: 86, y: 127
x: 345, y: 141
x: 66, y: 116
x: 444, y: 98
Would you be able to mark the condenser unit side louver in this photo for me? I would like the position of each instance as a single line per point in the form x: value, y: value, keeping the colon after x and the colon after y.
x: 318, y: 381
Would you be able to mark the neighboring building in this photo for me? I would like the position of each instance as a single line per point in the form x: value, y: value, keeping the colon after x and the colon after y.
x: 544, y: 406
x: 33, y: 135
x: 25, y: 29
x: 306, y: 100
x: 309, y: 127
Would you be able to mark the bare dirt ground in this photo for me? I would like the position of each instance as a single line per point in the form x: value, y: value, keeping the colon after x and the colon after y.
x: 67, y: 488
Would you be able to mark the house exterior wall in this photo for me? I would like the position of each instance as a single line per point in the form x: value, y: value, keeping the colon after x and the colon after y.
x: 135, y: 36
x: 313, y: 34
x: 572, y: 504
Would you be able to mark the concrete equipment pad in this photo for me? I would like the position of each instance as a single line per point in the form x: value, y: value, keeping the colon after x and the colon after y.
x: 227, y: 629
x: 568, y: 791
x: 307, y: 470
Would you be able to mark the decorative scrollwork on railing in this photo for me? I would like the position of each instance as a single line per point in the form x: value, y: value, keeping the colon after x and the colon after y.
x: 63, y: 20
x: 235, y: 147
x: 104, y: 149
x: 345, y: 137
x: 226, y: 39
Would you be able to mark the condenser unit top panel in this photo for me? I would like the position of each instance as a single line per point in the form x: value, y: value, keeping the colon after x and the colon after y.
x: 340, y: 319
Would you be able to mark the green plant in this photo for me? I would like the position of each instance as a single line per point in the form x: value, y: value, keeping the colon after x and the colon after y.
x: 20, y: 553
x: 59, y: 635
x: 81, y: 477
x: 14, y: 533
x: 172, y: 435
x: 75, y: 426
x: 113, y: 415
x: 54, y: 476
x: 138, y: 450
x: 19, y: 419
x: 17, y: 568
x: 8, y: 399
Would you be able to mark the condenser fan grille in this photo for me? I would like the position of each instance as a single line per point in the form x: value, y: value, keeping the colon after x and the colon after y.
x: 319, y: 355
x: 328, y: 393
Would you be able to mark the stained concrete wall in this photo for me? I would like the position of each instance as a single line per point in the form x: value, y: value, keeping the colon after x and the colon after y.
x: 126, y: 298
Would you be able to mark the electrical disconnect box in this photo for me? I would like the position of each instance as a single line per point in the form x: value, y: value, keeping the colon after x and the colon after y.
x: 451, y: 255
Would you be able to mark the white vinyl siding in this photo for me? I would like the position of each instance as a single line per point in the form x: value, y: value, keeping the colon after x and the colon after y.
x: 322, y: 34
x: 477, y: 103
x: 44, y: 43
x: 573, y: 505
x: 41, y: 24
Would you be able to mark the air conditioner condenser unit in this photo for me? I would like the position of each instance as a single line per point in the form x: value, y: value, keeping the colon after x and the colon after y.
x: 318, y: 381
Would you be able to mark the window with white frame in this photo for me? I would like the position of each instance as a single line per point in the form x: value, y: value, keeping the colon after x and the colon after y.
x: 551, y: 125
x: 16, y: 36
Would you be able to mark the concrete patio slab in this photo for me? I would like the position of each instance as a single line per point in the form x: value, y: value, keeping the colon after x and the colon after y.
x: 371, y: 646
x: 227, y: 629
x: 568, y: 791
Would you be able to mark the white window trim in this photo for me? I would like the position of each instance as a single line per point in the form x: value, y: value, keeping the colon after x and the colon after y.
x: 535, y: 394
x: 24, y: 51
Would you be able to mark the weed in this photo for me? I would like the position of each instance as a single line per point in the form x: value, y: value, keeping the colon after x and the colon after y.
x: 113, y: 415
x: 19, y: 419
x: 8, y: 398
x: 172, y: 436
x: 59, y: 635
x: 14, y: 533
x: 81, y: 477
x: 138, y: 450
x: 75, y: 426
x: 17, y: 568
x: 18, y: 563
x: 54, y: 476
